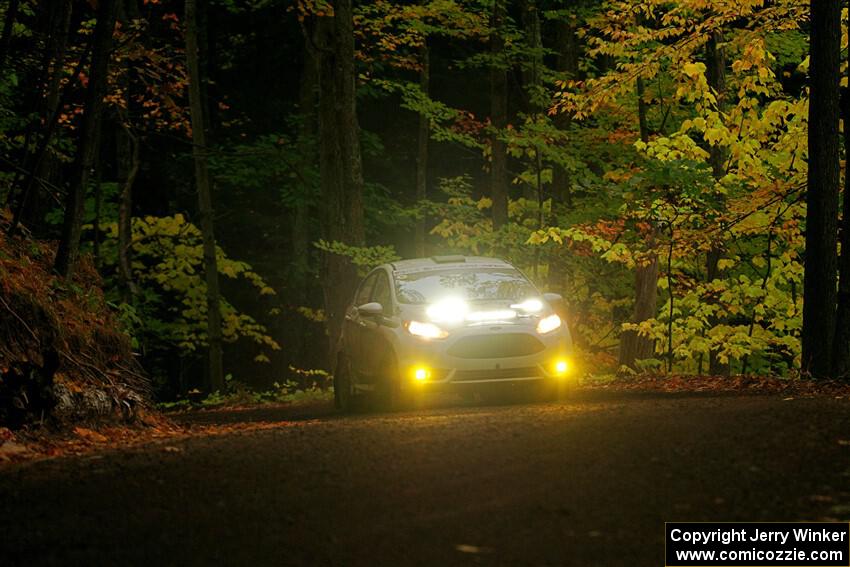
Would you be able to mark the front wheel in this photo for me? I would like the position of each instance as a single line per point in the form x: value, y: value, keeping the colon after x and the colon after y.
x: 343, y: 388
x: 389, y: 396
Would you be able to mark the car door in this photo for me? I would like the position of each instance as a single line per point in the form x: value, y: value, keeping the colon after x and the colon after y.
x: 374, y: 344
x: 354, y: 325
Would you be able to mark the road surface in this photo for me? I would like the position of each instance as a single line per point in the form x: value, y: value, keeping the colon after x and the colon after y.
x: 587, y: 481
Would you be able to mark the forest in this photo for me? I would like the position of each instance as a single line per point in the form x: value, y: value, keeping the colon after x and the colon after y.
x: 191, y: 190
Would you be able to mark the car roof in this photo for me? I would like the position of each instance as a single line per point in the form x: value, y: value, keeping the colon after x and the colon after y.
x: 447, y: 262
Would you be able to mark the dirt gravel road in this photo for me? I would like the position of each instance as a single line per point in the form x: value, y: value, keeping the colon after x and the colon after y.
x: 585, y: 481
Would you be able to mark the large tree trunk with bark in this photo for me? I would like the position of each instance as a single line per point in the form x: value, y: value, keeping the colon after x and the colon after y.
x: 819, y: 285
x: 634, y: 347
x: 423, y: 135
x: 339, y: 160
x: 306, y: 161
x: 205, y: 207
x: 841, y: 348
x: 498, y: 117
x: 87, y: 148
x: 302, y: 225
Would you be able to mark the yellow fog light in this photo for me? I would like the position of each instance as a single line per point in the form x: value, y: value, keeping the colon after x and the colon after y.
x: 561, y: 367
x: 420, y: 373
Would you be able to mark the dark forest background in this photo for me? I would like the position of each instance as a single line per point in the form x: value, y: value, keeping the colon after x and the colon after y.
x: 648, y: 160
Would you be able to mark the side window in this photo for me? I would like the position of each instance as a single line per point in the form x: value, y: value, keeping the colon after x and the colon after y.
x: 382, y: 293
x: 364, y: 292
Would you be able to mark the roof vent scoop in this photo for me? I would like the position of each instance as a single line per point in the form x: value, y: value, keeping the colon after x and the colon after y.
x: 451, y: 259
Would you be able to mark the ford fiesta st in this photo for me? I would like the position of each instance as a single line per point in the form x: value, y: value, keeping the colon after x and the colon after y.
x: 467, y: 324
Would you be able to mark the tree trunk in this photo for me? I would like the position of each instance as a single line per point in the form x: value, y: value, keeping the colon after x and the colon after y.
x: 819, y: 289
x: 8, y: 25
x: 498, y: 117
x: 841, y: 347
x: 125, y: 212
x: 567, y: 63
x: 306, y: 161
x: 422, y: 154
x: 561, y: 190
x: 128, y: 158
x: 339, y: 160
x: 205, y: 207
x: 38, y: 163
x: 716, y: 78
x: 531, y: 72
x: 303, y: 222
x: 634, y: 347
x: 207, y: 63
x: 98, y: 209
x: 60, y: 26
x: 69, y: 245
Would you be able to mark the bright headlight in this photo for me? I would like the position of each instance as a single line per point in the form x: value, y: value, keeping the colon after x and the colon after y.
x: 483, y: 316
x: 529, y: 305
x: 548, y: 324
x: 425, y: 330
x: 448, y: 310
x: 561, y: 367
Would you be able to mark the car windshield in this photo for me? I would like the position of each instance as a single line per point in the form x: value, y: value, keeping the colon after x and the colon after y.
x: 470, y: 284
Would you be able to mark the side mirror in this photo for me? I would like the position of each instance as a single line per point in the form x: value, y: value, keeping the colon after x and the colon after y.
x: 373, y: 309
x: 553, y: 298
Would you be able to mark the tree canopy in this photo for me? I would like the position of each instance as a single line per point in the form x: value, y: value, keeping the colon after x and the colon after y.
x: 647, y: 159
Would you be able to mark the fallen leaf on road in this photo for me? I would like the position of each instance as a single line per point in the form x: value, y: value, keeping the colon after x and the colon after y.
x: 821, y: 498
x: 90, y: 435
x: 466, y: 548
x: 172, y: 449
x: 844, y: 442
x: 10, y: 449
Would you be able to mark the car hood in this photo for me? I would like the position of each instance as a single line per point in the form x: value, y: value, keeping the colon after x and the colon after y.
x: 481, y: 313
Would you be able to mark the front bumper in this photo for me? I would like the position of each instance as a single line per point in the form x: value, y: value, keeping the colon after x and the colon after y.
x: 485, y: 355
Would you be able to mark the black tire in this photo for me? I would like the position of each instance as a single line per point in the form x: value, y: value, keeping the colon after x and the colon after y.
x: 388, y: 393
x: 343, y: 390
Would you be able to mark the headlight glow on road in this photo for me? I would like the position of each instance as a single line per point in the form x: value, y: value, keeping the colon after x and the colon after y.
x: 427, y: 331
x: 549, y: 324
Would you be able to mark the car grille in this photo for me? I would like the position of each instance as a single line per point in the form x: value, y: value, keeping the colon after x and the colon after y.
x: 495, y: 374
x: 438, y: 374
x: 496, y: 346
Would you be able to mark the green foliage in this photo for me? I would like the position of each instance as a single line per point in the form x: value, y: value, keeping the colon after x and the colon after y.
x: 289, y: 391
x: 364, y: 257
x: 719, y: 176
x: 168, y: 266
x: 270, y: 162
